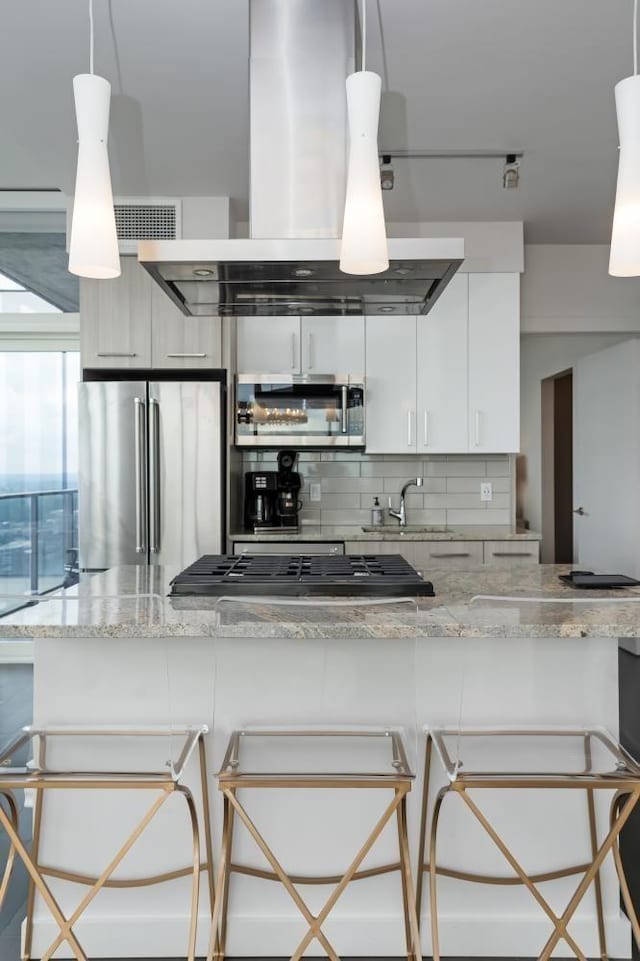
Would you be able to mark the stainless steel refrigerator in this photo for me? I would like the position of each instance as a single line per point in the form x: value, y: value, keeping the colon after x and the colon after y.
x: 151, y: 472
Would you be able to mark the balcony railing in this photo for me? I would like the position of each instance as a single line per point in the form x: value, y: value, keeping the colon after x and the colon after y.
x: 38, y: 544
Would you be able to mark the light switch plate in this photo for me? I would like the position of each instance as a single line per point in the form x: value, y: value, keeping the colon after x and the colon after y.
x: 486, y: 491
x: 315, y: 492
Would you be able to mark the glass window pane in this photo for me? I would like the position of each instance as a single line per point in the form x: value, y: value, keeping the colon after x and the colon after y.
x: 24, y: 302
x: 38, y: 452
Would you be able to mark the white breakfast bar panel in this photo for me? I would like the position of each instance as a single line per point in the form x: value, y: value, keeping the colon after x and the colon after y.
x: 407, y: 669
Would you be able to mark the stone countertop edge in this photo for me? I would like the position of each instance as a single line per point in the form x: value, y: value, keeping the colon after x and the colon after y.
x: 387, y: 532
x: 530, y: 602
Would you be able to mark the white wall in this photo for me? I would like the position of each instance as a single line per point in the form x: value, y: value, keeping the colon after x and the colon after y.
x: 571, y: 307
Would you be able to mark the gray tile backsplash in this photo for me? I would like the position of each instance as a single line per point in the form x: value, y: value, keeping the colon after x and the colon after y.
x: 451, y: 493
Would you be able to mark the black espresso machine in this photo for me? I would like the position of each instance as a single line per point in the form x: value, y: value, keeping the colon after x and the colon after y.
x: 271, y: 497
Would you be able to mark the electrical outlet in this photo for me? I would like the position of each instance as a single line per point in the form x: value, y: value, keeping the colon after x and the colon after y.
x: 486, y: 491
x: 315, y: 492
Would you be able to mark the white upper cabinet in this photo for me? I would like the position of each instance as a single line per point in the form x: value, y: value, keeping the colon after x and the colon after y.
x: 115, y: 319
x: 268, y: 345
x: 448, y: 382
x: 442, y: 408
x: 390, y: 393
x: 332, y: 345
x: 130, y: 322
x: 178, y: 341
x: 300, y: 345
x: 494, y: 363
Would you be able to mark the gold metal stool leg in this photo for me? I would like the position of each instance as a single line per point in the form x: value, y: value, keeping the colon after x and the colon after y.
x: 433, y: 878
x: 627, y: 808
x: 622, y: 878
x: 41, y: 886
x: 221, y: 881
x: 206, y: 817
x: 195, y: 883
x: 8, y: 868
x: 35, y: 853
x: 423, y: 827
x: 412, y: 928
x: 66, y: 929
x: 229, y: 816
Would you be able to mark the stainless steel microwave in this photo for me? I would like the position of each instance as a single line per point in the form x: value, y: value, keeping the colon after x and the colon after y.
x: 281, y: 410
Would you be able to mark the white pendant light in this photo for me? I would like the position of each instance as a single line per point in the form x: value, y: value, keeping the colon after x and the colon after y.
x: 93, y: 248
x: 624, y: 259
x: 364, y: 237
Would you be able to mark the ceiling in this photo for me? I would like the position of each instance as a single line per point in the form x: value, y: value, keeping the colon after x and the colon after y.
x: 535, y: 75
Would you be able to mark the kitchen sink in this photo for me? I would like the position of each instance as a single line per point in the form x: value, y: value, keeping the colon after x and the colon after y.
x: 388, y: 531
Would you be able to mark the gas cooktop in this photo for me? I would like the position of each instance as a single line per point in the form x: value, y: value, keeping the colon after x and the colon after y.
x: 378, y: 575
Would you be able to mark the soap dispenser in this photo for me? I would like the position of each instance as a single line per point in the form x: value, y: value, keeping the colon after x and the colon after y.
x: 377, y: 515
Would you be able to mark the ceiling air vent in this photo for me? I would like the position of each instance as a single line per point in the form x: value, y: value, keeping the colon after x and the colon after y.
x: 146, y: 218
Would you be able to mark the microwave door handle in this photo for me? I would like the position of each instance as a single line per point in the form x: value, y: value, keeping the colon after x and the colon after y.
x: 343, y: 419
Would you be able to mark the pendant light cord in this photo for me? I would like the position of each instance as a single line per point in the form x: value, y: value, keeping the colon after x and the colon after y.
x: 91, y: 36
x: 635, y: 37
x: 364, y: 33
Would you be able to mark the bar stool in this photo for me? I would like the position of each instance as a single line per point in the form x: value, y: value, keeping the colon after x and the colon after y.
x: 521, y: 760
x: 89, y: 759
x: 268, y: 759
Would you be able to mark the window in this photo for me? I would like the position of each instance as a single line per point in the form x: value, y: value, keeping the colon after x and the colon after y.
x: 38, y: 470
x: 15, y: 299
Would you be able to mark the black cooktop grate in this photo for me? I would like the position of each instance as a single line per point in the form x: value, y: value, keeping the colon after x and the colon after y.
x: 302, y: 575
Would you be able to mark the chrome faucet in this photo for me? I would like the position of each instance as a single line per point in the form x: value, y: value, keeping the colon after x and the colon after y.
x: 401, y: 515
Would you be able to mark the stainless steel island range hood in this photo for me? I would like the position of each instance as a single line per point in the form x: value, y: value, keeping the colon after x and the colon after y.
x: 301, y: 54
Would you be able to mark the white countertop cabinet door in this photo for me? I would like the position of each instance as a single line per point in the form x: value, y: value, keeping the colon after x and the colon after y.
x: 115, y: 319
x: 332, y: 345
x: 442, y: 361
x: 268, y: 345
x: 391, y: 385
x: 178, y: 341
x: 494, y: 363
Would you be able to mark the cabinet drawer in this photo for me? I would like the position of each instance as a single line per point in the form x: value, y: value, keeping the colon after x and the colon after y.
x: 511, y: 553
x: 288, y: 547
x: 460, y: 554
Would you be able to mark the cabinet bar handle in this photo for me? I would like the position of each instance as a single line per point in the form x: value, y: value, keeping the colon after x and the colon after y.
x: 426, y: 428
x: 186, y: 355
x: 310, y: 350
x: 452, y: 554
x: 294, y: 363
x: 512, y: 554
x: 477, y: 441
x: 115, y: 353
x: 409, y: 429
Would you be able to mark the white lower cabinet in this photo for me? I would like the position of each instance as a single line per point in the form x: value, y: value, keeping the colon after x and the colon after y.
x: 424, y: 555
x: 428, y: 556
x: 511, y: 553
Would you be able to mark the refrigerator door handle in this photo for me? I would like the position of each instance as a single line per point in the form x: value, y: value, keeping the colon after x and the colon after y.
x: 154, y: 476
x: 140, y: 444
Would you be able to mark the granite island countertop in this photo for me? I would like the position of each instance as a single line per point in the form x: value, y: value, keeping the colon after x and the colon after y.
x: 483, y: 602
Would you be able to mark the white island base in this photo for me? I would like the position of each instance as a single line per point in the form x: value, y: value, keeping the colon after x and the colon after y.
x: 231, y: 682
